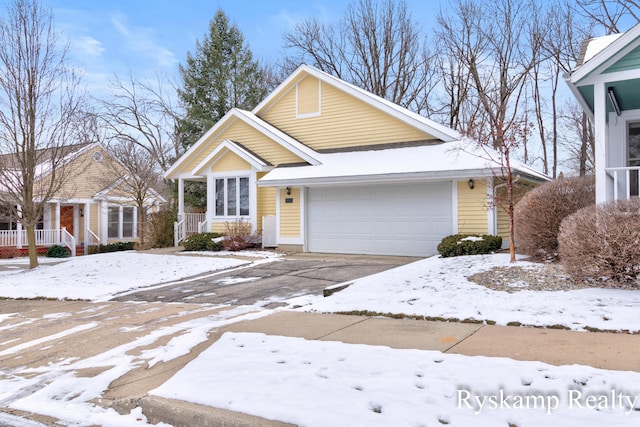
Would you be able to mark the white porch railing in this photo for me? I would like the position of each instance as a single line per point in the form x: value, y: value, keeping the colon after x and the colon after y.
x: 188, y: 223
x: 626, y: 182
x: 179, y: 232
x: 92, y: 238
x: 68, y: 240
x: 18, y: 238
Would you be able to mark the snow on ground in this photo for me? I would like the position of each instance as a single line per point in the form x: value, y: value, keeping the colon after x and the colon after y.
x: 438, y: 287
x: 322, y: 383
x: 329, y: 383
x: 99, y: 277
x: 248, y: 254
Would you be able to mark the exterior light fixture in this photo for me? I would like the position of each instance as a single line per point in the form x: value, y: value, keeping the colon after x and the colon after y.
x: 613, y: 100
x: 471, y: 184
x: 287, y: 191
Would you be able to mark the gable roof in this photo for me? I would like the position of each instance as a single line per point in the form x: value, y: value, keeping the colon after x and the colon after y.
x: 258, y: 124
x: 236, y: 148
x: 409, y: 117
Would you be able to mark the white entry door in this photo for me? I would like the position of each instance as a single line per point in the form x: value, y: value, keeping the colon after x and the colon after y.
x: 385, y: 219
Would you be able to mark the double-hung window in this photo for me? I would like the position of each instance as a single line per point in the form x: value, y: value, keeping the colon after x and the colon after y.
x: 232, y: 196
x: 121, y: 222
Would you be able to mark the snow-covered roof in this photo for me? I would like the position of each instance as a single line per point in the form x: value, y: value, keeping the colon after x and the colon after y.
x: 597, y: 45
x: 460, y: 159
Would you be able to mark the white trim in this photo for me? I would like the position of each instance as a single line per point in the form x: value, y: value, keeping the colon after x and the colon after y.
x: 415, y: 120
x: 211, y: 201
x: 454, y: 207
x: 600, y: 135
x: 180, y: 195
x: 87, y: 226
x: 235, y: 149
x: 609, y: 55
x: 253, y: 200
x: 278, y: 238
x: 303, y: 216
x: 492, y: 213
x: 255, y: 122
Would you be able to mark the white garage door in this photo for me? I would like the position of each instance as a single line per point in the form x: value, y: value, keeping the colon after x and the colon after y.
x: 398, y: 219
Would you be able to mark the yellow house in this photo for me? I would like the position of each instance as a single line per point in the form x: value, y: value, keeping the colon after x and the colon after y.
x: 90, y: 208
x: 323, y: 166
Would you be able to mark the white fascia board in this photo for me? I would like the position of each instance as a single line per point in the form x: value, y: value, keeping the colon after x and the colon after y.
x: 609, y: 55
x: 576, y: 93
x: 412, y: 119
x: 278, y: 136
x: 200, y: 144
x: 199, y: 170
x: 363, y: 179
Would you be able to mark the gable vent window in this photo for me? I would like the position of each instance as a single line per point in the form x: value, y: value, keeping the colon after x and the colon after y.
x: 308, y: 98
x: 232, y: 196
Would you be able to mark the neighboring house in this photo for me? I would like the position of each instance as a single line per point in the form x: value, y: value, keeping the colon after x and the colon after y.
x: 91, y: 208
x: 323, y: 166
x: 607, y: 85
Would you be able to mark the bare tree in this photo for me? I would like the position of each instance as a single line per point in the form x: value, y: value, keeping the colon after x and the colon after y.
x: 39, y: 113
x: 376, y: 46
x: 608, y: 13
x: 144, y: 114
x: 138, y: 179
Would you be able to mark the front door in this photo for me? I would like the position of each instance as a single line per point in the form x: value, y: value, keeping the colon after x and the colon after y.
x: 66, y: 218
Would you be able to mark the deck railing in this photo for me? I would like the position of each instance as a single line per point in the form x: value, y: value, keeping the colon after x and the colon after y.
x: 187, y: 224
x: 625, y: 182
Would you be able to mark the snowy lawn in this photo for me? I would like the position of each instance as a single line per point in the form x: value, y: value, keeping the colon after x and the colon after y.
x: 320, y: 383
x: 99, y: 277
x: 438, y: 287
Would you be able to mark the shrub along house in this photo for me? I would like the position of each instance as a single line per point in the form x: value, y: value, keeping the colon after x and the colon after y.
x: 607, y: 85
x: 321, y: 165
x: 90, y: 208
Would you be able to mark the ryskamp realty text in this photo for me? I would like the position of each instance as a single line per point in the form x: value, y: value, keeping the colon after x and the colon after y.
x: 549, y: 402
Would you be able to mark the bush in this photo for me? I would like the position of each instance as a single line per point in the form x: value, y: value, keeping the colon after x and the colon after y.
x: 539, y: 214
x: 203, y: 242
x: 57, y: 251
x: 160, y: 226
x: 238, y: 236
x: 116, y: 247
x: 469, y: 244
x: 602, y: 244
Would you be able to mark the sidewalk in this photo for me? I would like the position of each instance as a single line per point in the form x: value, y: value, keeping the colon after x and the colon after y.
x: 558, y: 347
x: 114, y: 325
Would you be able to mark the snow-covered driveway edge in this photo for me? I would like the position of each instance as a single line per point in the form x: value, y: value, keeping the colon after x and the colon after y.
x: 438, y: 288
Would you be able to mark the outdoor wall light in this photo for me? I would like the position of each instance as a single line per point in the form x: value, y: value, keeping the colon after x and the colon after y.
x: 614, y: 100
x: 471, y: 184
x: 287, y: 191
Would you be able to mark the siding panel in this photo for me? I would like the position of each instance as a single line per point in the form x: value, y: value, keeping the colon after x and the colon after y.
x: 472, y: 208
x: 290, y: 214
x: 344, y: 122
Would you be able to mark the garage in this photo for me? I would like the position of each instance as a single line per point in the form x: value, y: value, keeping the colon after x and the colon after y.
x: 382, y: 219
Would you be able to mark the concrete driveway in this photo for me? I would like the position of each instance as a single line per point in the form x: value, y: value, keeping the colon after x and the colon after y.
x: 269, y: 283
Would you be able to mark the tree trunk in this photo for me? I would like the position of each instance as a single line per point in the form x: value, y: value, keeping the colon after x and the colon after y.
x: 33, y: 250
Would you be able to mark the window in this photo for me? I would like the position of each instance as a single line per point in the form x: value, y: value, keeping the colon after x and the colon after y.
x: 232, y: 196
x: 127, y: 222
x: 121, y: 221
x: 113, y: 222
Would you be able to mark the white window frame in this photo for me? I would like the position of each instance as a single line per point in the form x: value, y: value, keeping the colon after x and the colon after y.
x: 225, y: 179
x: 134, y: 227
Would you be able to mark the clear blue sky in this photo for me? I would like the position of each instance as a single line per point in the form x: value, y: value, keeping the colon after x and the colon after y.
x: 153, y: 36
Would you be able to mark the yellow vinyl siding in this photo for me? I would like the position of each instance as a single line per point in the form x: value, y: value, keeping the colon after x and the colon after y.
x: 345, y: 121
x: 472, y: 208
x: 84, y: 177
x: 308, y: 94
x: 503, y: 223
x: 290, y: 214
x: 94, y: 224
x: 266, y: 201
x: 250, y: 138
x: 230, y: 162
